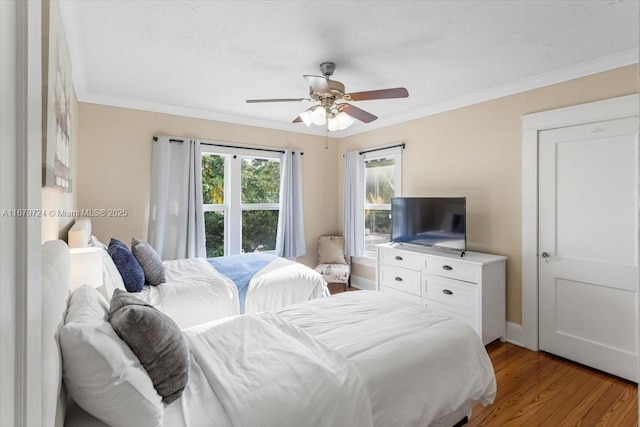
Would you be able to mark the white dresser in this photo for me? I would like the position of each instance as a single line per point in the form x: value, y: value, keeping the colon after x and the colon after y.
x: 471, y: 288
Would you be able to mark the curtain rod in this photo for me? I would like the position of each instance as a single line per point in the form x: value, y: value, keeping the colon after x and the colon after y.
x: 382, y: 148
x: 155, y: 138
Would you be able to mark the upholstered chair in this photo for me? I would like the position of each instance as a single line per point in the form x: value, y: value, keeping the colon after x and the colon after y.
x: 333, y: 265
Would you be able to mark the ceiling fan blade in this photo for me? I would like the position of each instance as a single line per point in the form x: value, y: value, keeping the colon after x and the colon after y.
x: 297, y: 120
x: 357, y: 113
x: 398, y: 92
x: 255, y: 101
x: 318, y: 84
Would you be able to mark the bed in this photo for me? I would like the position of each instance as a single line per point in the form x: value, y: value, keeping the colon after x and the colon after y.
x: 356, y: 359
x: 199, y: 290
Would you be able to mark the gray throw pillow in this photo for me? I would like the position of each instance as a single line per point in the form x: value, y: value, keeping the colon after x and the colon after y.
x: 149, y: 260
x: 155, y: 339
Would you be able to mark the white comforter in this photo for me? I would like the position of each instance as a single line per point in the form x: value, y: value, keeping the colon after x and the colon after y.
x: 283, y: 282
x: 196, y: 293
x: 267, y: 372
x: 416, y: 366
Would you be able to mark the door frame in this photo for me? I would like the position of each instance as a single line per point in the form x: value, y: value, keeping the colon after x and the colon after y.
x: 532, y: 125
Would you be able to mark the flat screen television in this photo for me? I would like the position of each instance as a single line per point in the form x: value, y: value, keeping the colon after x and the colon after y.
x: 430, y: 221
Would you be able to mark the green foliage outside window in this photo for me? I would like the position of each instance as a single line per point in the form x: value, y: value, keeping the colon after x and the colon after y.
x: 260, y: 183
x: 212, y: 180
x: 214, y: 233
x: 379, y: 189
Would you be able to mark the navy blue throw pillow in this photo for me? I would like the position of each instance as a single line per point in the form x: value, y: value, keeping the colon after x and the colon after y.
x: 128, y: 266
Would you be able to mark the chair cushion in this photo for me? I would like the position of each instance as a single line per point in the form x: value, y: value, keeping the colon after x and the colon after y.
x: 334, y: 273
x: 331, y: 250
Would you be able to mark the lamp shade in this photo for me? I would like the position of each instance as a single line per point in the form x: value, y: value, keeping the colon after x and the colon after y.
x: 339, y: 122
x: 305, y: 116
x: 86, y: 267
x: 319, y: 115
x: 344, y: 120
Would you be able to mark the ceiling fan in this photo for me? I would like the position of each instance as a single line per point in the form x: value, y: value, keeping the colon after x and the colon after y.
x: 336, y: 115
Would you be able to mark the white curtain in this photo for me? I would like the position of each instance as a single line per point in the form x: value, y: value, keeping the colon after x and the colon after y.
x: 353, y: 204
x: 290, y: 242
x: 176, y: 217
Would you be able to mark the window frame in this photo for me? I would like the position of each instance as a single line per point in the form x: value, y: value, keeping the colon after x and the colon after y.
x: 233, y: 206
x: 394, y: 153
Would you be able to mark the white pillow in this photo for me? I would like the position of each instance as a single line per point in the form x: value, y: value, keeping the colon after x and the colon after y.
x: 100, y: 371
x: 94, y: 242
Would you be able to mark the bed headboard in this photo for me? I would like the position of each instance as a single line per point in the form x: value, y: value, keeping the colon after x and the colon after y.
x: 80, y: 233
x: 55, y: 293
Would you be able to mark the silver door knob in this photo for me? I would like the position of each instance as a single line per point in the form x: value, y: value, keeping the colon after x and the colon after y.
x: 544, y: 255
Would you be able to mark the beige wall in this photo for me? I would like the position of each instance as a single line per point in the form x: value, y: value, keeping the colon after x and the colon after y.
x: 115, y: 167
x: 56, y: 203
x: 473, y: 151
x: 476, y: 152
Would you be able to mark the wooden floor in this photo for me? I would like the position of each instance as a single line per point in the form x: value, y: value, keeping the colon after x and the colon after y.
x: 539, y: 389
x: 336, y: 288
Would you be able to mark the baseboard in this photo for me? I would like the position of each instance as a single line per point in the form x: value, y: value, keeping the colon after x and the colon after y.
x: 514, y: 334
x: 363, y: 283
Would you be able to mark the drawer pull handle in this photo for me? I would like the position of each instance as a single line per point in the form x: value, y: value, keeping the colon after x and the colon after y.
x: 447, y: 267
x: 398, y: 279
x: 447, y: 292
x: 398, y: 258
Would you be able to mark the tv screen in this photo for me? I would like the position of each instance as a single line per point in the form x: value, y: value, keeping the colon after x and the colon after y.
x: 430, y: 221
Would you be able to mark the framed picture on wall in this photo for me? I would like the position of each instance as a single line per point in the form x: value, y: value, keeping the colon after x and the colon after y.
x: 57, y: 103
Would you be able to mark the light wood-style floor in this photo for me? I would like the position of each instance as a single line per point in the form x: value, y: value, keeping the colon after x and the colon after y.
x: 539, y: 389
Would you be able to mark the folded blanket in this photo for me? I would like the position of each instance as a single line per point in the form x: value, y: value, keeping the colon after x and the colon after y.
x: 240, y: 269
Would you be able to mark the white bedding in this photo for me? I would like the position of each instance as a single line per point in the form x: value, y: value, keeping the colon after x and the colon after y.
x: 196, y: 293
x: 267, y: 372
x: 283, y: 282
x: 417, y: 366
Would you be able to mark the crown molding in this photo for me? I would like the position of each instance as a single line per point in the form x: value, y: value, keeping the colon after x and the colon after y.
x: 606, y: 63
x: 621, y: 59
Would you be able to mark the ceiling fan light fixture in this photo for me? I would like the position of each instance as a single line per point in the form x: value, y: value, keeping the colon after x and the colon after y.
x: 318, y: 115
x: 305, y: 116
x: 329, y: 93
x: 332, y: 124
x: 344, y: 120
x: 339, y: 121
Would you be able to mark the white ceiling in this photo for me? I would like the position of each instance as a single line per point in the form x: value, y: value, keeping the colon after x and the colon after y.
x: 205, y: 58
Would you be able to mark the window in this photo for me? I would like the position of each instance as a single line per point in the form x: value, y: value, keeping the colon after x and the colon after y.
x: 241, y: 193
x: 382, y: 182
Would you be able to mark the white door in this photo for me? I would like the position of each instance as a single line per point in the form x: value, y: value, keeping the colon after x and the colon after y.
x: 588, y: 243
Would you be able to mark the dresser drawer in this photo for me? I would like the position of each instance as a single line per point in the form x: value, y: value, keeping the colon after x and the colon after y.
x: 459, y: 295
x: 453, y: 269
x: 400, y: 279
x: 403, y: 295
x: 447, y: 311
x: 398, y: 258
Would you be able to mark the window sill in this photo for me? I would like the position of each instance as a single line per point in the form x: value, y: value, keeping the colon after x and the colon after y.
x: 367, y: 261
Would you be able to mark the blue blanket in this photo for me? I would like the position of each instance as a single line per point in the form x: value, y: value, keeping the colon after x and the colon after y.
x: 240, y: 269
